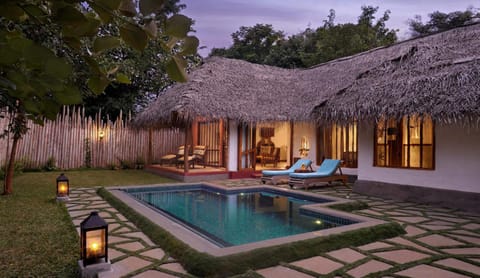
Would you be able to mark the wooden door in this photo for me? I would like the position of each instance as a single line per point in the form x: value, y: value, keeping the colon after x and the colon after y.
x: 246, y: 147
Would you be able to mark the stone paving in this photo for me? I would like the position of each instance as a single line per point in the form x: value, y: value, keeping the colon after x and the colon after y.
x: 440, y: 242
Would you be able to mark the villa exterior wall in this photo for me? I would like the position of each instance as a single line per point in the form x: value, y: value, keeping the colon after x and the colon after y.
x: 232, y: 164
x: 457, y: 161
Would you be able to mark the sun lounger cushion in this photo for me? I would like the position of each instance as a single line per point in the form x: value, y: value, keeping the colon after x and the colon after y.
x: 327, y: 168
x: 297, y: 165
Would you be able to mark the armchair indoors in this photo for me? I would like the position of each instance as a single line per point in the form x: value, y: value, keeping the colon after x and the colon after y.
x: 271, y: 158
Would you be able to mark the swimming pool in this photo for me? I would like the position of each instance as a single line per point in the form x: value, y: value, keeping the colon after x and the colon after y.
x: 235, y: 218
x: 218, y: 220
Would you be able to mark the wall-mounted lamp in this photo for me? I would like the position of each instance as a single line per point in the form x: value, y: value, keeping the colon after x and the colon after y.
x: 304, y: 147
x: 101, y: 134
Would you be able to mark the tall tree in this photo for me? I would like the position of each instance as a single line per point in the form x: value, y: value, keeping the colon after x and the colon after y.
x: 439, y: 21
x: 40, y: 68
x: 252, y: 44
x: 311, y: 47
x: 335, y: 41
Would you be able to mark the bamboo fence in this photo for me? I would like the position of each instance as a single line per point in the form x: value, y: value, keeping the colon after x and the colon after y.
x: 74, y: 141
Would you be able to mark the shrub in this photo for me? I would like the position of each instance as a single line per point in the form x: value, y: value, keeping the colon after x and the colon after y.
x: 139, y: 162
x: 50, y: 165
x: 88, y: 154
x: 18, y: 168
x: 112, y: 166
x: 126, y: 164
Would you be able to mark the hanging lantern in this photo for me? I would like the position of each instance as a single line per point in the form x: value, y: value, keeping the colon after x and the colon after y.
x: 63, y: 187
x: 94, y: 240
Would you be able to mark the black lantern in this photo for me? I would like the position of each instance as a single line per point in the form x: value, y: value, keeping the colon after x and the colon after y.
x: 94, y: 240
x: 63, y: 188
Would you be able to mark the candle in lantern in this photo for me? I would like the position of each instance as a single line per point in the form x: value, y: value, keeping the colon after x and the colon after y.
x: 95, y: 243
x: 93, y: 249
x: 62, y: 188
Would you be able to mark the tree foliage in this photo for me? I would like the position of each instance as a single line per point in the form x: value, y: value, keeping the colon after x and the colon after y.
x: 439, y: 21
x: 262, y: 44
x: 147, y: 73
x: 252, y: 44
x: 49, y: 47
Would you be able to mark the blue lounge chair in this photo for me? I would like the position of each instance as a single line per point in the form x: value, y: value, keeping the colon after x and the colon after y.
x: 276, y: 175
x: 325, y: 173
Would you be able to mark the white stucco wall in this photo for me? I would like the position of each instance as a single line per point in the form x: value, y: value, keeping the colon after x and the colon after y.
x: 232, y: 164
x: 457, y: 161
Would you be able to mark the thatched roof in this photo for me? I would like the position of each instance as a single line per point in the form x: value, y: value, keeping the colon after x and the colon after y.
x: 227, y: 88
x: 436, y: 75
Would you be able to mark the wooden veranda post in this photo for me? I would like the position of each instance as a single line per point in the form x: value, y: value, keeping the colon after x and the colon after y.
x: 291, y: 142
x: 185, y: 150
x: 150, y: 147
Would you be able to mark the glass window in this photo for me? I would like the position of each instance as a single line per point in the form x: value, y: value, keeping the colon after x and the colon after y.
x: 338, y: 142
x: 408, y: 143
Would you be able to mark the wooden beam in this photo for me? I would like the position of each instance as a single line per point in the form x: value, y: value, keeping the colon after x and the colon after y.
x: 185, y: 150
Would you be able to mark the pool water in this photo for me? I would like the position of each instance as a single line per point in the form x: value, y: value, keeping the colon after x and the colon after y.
x: 240, y: 218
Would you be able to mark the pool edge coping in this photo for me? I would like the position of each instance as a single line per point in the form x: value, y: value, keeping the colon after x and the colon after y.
x: 201, y: 244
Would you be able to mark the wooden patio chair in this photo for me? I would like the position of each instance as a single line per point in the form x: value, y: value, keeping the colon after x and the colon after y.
x: 172, y: 158
x: 198, y: 157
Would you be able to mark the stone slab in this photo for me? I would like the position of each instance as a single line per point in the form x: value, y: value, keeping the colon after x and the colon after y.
x: 440, y: 223
x: 374, y: 245
x: 411, y: 219
x: 454, y: 263
x: 370, y: 212
x: 465, y: 232
x: 472, y: 226
x: 116, y: 239
x: 124, y: 267
x: 140, y: 235
x: 436, y: 227
x: 114, y: 253
x: 154, y: 274
x: 281, y: 271
x: 346, y: 255
x: 429, y: 271
x: 405, y: 242
x: 469, y: 239
x: 452, y: 219
x: 318, y: 264
x: 367, y: 268
x: 463, y: 251
x: 401, y: 256
x: 156, y: 254
x: 174, y: 267
x: 131, y: 246
x: 439, y: 240
x: 414, y: 231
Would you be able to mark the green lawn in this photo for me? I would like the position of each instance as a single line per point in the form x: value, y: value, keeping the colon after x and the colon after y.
x: 37, y: 237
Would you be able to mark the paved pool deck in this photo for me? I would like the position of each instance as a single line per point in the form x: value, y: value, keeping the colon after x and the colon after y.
x: 440, y: 242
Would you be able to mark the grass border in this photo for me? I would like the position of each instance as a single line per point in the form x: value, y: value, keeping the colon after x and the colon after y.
x: 351, y: 206
x: 205, y: 265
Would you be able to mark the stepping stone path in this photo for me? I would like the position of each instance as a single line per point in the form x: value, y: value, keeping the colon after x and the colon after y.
x: 439, y: 242
x: 130, y: 251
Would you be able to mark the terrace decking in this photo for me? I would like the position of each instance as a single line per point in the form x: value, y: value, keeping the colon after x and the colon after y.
x: 443, y: 242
